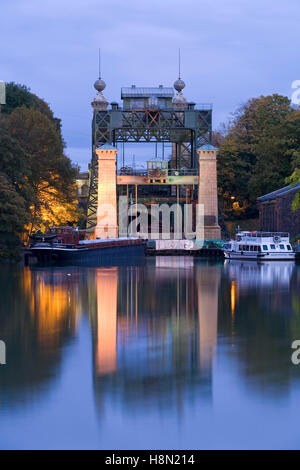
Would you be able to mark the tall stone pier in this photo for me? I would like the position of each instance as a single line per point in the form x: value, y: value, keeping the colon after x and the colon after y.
x: 207, y: 190
x: 107, y: 225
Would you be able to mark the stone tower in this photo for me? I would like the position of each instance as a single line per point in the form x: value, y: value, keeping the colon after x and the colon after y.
x: 207, y: 192
x: 107, y: 226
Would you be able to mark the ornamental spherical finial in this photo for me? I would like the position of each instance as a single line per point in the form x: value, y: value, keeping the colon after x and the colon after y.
x: 179, y: 101
x: 99, y: 102
x: 179, y: 85
x: 99, y: 84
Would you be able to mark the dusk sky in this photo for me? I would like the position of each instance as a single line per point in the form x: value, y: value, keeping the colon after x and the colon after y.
x: 231, y: 50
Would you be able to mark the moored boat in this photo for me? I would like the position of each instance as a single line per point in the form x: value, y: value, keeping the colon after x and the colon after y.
x: 66, y: 248
x: 258, y: 246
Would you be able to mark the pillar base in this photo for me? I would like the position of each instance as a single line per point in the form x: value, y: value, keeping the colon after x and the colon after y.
x: 212, y: 232
x: 105, y: 231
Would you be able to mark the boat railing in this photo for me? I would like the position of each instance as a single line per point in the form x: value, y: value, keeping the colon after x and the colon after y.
x: 251, y: 235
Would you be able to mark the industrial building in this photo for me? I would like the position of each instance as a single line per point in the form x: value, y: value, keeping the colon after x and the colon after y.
x: 276, y: 213
x: 157, y: 116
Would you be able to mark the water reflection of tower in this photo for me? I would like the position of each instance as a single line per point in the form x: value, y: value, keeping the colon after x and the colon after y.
x: 155, y: 341
x: 109, y: 324
x: 107, y: 287
x: 208, y: 280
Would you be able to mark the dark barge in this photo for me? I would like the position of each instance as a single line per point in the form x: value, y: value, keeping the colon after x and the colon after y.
x: 66, y: 249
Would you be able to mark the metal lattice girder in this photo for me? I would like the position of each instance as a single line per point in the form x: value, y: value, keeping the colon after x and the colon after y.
x: 93, y: 194
x: 189, y: 129
x: 150, y: 125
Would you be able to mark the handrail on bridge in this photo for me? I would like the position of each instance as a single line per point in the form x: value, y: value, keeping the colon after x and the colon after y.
x: 148, y: 107
x: 158, y: 173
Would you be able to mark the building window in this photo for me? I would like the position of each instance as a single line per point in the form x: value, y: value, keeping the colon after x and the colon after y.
x: 281, y: 247
x: 137, y: 103
x: 272, y: 247
x: 265, y: 247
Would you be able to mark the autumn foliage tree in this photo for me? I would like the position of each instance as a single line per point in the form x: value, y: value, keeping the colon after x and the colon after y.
x: 38, y: 179
x: 52, y: 174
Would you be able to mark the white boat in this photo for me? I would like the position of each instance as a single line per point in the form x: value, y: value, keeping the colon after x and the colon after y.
x: 260, y: 246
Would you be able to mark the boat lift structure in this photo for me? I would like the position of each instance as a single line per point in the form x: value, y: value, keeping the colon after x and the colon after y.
x: 150, y: 115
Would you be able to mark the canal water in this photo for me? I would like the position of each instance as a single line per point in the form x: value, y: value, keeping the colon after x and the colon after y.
x: 178, y: 353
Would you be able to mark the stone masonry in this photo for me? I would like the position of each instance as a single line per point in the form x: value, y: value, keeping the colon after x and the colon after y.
x: 107, y: 226
x: 207, y: 192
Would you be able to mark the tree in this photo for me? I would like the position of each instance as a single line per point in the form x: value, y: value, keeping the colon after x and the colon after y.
x: 253, y: 159
x: 54, y: 208
x: 20, y: 95
x: 291, y: 134
x: 16, y: 96
x: 52, y: 174
x: 16, y: 194
x: 37, y: 179
x: 13, y: 217
x: 15, y: 164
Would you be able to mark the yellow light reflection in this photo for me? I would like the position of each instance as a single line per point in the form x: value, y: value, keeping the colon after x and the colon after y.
x: 107, y: 290
x: 52, y: 307
x: 233, y: 296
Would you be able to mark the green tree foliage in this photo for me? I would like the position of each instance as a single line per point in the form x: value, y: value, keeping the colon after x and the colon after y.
x: 20, y: 95
x: 291, y: 133
x: 38, y: 177
x: 13, y: 217
x: 52, y: 173
x: 37, y: 135
x: 253, y: 158
x: 293, y: 180
x: 15, y: 165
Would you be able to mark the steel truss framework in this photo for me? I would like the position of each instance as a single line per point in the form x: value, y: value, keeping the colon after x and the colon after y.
x: 187, y: 129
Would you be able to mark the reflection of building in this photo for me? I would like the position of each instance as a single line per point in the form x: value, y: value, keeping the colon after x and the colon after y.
x: 251, y: 274
x: 260, y: 320
x: 107, y: 287
x: 183, y: 262
x: 208, y: 279
x: 156, y: 332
